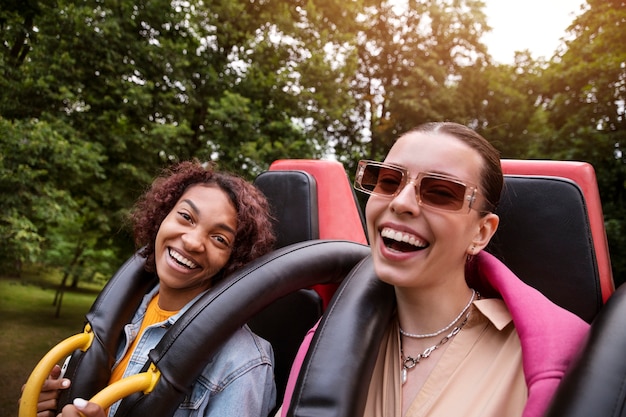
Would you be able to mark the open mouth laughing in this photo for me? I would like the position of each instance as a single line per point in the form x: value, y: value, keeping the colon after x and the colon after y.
x: 181, y: 260
x: 401, y: 241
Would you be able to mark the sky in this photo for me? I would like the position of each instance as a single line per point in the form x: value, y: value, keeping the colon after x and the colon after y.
x: 536, y: 25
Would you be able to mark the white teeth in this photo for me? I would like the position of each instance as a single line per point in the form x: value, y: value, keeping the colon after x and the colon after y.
x: 182, y: 260
x: 402, y: 237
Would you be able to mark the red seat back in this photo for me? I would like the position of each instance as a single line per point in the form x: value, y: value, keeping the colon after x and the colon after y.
x: 339, y: 215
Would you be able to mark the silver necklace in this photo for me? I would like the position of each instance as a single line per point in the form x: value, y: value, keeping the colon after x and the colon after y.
x: 409, y: 362
x: 438, y: 332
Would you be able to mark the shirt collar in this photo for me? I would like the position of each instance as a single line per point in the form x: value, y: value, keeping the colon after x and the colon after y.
x: 495, y: 311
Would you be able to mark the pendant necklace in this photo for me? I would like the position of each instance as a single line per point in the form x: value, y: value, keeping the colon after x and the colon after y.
x: 409, y: 362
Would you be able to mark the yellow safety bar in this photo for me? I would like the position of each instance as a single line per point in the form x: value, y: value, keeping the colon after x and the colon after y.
x: 144, y: 382
x: 32, y: 389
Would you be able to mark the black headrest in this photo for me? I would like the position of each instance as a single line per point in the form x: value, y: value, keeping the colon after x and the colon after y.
x: 544, y: 237
x: 293, y: 200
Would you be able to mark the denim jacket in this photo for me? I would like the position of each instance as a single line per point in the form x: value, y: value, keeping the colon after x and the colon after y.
x: 239, y: 381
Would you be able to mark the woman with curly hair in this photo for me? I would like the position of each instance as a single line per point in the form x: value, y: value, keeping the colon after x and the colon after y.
x: 195, y: 225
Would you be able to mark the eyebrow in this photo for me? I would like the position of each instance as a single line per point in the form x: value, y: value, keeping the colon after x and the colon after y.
x: 445, y: 174
x: 220, y: 225
x: 406, y: 168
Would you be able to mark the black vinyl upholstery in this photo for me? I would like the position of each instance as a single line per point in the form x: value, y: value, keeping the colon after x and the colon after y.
x: 293, y: 200
x: 596, y: 384
x: 343, y: 351
x: 545, y: 238
x: 115, y: 306
x: 190, y: 343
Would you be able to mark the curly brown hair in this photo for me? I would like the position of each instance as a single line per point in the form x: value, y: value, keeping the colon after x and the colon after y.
x: 255, y: 234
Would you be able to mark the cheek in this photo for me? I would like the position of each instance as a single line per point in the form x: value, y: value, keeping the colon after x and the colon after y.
x: 373, y: 209
x: 460, y: 235
x: 158, y: 240
x: 218, y: 259
x: 162, y: 233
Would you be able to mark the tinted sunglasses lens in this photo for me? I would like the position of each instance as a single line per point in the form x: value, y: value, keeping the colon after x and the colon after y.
x: 381, y: 180
x: 442, y: 193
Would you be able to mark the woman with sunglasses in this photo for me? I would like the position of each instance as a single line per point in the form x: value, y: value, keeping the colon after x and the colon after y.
x: 468, y: 338
x: 196, y: 225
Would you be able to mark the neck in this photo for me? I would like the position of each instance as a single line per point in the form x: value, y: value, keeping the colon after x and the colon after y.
x: 174, y: 299
x: 424, y: 312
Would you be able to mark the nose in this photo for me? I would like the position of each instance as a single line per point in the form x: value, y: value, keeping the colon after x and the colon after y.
x: 193, y: 241
x: 406, y: 200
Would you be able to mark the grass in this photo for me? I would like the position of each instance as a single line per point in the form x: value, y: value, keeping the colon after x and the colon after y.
x: 29, y: 328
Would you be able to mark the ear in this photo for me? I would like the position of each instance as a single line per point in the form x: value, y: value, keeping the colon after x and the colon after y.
x: 487, y: 226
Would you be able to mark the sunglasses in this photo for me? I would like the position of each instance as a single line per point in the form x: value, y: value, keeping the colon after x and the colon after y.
x: 433, y: 190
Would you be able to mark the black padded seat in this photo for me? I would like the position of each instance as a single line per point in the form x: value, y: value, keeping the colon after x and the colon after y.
x: 596, y: 383
x: 293, y: 200
x: 284, y: 324
x: 545, y: 238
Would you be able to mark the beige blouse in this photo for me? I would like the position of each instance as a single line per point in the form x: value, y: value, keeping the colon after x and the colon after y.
x: 479, y: 374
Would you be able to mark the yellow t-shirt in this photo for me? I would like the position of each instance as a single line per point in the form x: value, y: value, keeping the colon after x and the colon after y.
x: 154, y: 314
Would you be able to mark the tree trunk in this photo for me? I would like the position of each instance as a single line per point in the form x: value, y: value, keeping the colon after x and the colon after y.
x: 58, y: 297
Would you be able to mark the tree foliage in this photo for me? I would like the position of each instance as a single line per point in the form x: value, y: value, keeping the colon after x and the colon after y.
x: 410, y: 57
x: 585, y: 102
x: 139, y: 84
x: 96, y: 97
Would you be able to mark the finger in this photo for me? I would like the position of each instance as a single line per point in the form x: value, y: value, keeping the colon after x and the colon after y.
x: 47, y: 405
x: 47, y: 395
x: 55, y: 384
x: 69, y: 411
x: 52, y: 383
x: 55, y: 372
x: 88, y: 409
x: 47, y: 400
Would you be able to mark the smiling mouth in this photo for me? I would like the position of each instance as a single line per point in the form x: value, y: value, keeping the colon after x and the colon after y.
x: 401, y: 241
x: 181, y: 260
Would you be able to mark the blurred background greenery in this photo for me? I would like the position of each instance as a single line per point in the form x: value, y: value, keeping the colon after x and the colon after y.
x: 30, y: 329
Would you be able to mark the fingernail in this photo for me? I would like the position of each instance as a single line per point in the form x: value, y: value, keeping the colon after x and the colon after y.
x: 80, y: 403
x: 65, y: 383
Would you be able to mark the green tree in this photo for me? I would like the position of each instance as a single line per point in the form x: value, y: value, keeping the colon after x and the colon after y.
x: 501, y: 101
x: 40, y: 162
x: 585, y: 98
x: 411, y: 56
x: 96, y: 97
x: 139, y: 84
